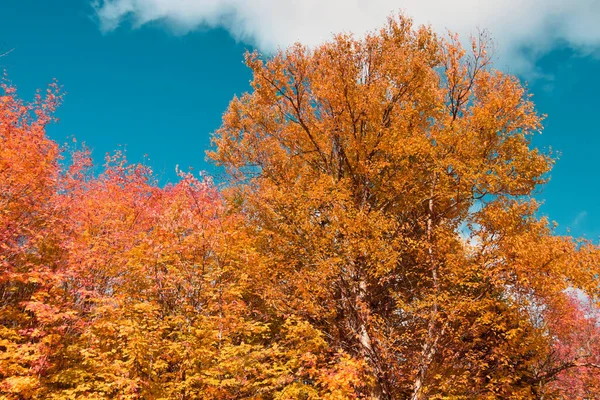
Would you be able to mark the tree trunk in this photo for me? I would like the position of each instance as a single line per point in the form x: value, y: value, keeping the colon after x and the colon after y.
x: 429, y: 347
x: 366, y: 345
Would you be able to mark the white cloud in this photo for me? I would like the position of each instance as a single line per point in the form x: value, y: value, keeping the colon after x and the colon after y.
x: 579, y: 219
x: 268, y: 24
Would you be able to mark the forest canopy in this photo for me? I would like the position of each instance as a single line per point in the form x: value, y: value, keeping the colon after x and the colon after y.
x: 377, y: 238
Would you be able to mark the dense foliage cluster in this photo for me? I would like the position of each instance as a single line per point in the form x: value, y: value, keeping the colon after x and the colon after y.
x: 377, y: 240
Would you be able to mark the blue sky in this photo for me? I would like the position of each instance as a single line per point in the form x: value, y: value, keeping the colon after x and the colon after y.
x: 155, y: 76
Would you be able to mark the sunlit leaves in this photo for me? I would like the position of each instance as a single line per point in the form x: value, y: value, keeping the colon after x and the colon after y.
x: 378, y: 240
x: 358, y: 163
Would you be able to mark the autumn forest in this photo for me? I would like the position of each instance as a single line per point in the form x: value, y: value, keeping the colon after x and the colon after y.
x: 376, y: 238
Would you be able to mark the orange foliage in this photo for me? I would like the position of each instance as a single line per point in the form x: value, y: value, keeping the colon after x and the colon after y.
x: 388, y: 186
x: 378, y: 239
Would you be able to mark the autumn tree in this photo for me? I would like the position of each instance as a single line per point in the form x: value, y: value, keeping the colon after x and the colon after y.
x: 112, y: 287
x: 159, y: 278
x: 32, y: 315
x: 387, y: 184
x: 158, y: 292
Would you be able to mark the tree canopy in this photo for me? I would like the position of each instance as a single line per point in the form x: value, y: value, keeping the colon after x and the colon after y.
x: 378, y: 239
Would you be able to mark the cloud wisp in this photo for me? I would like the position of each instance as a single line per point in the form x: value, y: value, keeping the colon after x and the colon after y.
x: 522, y: 29
x: 579, y: 219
